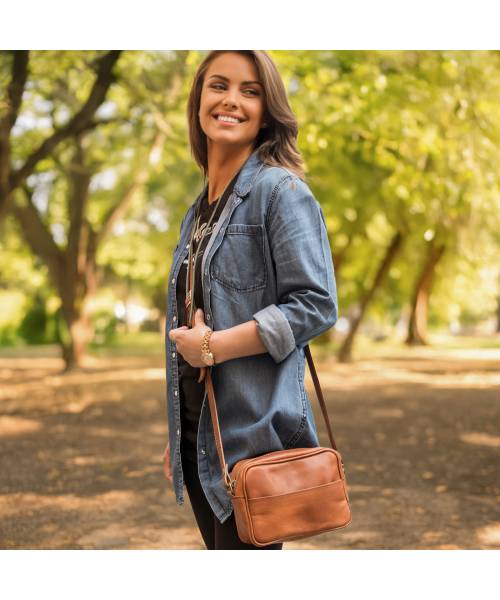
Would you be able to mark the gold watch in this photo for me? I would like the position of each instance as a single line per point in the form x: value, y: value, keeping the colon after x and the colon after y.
x: 206, y: 355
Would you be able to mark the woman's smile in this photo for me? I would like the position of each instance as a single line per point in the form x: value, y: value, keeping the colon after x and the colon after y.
x: 226, y: 119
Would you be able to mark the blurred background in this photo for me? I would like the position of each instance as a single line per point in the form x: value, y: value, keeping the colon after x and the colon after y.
x: 401, y: 150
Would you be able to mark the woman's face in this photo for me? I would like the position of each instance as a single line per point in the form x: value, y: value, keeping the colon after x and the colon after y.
x: 231, y: 91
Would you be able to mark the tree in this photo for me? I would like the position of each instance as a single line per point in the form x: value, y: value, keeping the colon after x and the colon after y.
x: 397, y: 141
x: 11, y: 177
x: 80, y: 215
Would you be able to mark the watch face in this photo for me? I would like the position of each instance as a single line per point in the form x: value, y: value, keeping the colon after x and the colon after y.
x: 208, y: 359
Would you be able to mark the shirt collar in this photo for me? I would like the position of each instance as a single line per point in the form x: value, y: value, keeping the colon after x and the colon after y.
x: 248, y: 173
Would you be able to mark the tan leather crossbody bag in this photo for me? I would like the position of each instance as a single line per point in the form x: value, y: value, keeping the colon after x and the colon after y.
x: 286, y: 494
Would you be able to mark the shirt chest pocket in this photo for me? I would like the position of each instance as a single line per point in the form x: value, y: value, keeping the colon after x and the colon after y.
x: 239, y: 263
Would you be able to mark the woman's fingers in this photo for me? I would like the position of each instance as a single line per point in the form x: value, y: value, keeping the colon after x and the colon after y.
x: 172, y: 332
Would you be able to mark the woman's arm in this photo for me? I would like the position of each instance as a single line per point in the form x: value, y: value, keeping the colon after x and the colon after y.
x: 305, y: 279
x: 240, y: 340
x: 226, y: 344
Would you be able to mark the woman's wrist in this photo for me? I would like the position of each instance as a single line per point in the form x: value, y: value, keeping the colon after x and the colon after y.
x: 237, y: 341
x: 216, y: 345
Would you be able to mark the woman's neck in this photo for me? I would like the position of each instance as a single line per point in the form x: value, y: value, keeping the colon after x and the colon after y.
x: 223, y: 163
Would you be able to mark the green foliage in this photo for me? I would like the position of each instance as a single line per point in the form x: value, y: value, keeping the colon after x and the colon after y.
x: 105, y: 327
x: 403, y: 140
x: 392, y: 140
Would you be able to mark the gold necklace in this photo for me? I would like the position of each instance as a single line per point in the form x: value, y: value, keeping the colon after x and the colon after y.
x: 190, y: 271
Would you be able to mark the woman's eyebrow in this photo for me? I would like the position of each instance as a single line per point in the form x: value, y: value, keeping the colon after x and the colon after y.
x: 226, y: 79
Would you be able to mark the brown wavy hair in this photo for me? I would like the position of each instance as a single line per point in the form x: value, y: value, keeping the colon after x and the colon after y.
x: 276, y: 143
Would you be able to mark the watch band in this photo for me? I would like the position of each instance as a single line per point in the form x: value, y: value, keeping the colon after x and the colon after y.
x: 205, y: 348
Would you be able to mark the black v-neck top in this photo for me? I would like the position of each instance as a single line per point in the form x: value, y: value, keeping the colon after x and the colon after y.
x: 192, y: 392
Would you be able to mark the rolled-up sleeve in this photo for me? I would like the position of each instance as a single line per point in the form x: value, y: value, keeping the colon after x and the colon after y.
x: 305, y: 279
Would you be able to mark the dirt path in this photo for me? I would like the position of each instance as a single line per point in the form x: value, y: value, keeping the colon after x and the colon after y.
x: 80, y: 455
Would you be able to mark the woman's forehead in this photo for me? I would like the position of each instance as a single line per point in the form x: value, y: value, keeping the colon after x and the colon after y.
x: 232, y: 66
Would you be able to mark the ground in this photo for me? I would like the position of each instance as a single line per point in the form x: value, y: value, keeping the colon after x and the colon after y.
x: 419, y: 432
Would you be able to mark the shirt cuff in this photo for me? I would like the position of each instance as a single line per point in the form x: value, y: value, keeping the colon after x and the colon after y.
x: 275, y: 332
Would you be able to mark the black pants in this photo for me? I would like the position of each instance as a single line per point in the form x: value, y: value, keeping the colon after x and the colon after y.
x: 216, y: 535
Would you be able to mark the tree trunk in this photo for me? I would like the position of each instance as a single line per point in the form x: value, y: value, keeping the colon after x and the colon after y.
x: 77, y: 289
x: 73, y: 269
x: 417, y: 326
x: 73, y: 351
x: 9, y: 111
x: 345, y: 352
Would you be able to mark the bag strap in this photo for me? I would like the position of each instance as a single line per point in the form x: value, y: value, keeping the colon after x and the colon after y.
x: 215, y: 419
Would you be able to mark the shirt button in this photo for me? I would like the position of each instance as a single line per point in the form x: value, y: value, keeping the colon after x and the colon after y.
x: 174, y: 318
x: 208, y: 317
x: 202, y: 451
x: 178, y: 432
x: 173, y: 280
x: 187, y: 246
x: 175, y: 393
x: 173, y: 354
x: 206, y: 272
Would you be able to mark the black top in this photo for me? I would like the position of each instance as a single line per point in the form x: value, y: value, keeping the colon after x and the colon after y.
x: 192, y: 392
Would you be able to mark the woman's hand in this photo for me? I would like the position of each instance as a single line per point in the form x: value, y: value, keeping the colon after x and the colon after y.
x: 188, y: 341
x: 166, y: 463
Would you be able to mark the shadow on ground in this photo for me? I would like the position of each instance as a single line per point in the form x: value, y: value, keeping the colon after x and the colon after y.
x: 81, y: 466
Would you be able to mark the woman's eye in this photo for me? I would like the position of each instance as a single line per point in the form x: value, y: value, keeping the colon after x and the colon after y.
x: 221, y: 86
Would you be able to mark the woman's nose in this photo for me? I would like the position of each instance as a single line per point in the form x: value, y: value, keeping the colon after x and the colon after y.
x: 231, y: 98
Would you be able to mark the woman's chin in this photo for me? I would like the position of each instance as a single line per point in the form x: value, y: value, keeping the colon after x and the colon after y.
x: 227, y: 140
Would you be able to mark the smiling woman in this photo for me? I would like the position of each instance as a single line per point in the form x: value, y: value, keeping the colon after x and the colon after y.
x: 251, y: 283
x: 246, y: 85
x: 231, y: 110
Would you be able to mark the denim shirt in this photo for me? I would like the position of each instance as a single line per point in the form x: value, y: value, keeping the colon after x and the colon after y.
x: 267, y: 259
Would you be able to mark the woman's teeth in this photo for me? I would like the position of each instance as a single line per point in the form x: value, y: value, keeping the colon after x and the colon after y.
x: 227, y: 119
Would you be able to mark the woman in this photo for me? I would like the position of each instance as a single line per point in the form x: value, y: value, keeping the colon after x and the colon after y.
x: 263, y: 283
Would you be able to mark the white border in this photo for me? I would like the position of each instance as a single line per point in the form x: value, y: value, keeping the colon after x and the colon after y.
x: 197, y: 24
x: 267, y: 575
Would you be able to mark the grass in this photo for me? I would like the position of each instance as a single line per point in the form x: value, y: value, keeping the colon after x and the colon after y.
x: 144, y: 343
x: 152, y: 344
